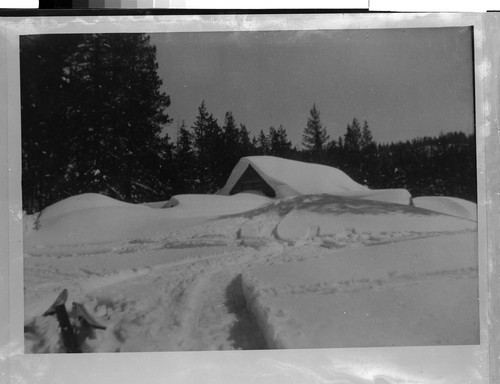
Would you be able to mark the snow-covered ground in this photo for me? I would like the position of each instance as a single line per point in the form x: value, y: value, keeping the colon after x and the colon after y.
x: 248, y: 272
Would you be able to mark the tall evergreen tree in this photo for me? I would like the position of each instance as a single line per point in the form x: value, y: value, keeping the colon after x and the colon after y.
x: 247, y: 147
x: 103, y: 134
x: 230, y: 131
x: 353, y: 136
x: 45, y: 129
x: 272, y: 138
x: 349, y: 151
x: 366, y: 136
x: 209, y: 146
x: 231, y: 137
x: 370, y: 163
x: 123, y: 115
x: 202, y: 121
x: 315, y: 136
x: 185, y: 161
x: 263, y: 144
x: 279, y: 143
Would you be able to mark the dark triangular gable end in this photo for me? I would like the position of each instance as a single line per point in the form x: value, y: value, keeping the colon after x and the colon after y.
x: 250, y: 180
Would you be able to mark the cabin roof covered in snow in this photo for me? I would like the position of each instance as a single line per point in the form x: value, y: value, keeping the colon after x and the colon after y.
x: 293, y: 178
x: 290, y: 177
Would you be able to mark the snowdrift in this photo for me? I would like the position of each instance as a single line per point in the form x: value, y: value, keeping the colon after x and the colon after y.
x: 78, y: 203
x: 196, y: 205
x: 315, y: 270
x: 337, y: 220
x: 326, y: 262
x: 350, y: 217
x: 386, y: 295
x: 93, y: 218
x: 293, y: 178
x: 103, y: 224
x: 449, y: 205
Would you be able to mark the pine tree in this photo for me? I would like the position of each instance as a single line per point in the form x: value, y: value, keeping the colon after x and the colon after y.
x: 184, y: 145
x: 231, y: 136
x: 370, y: 164
x: 353, y: 136
x: 315, y: 136
x: 263, y: 144
x: 217, y: 166
x: 209, y: 145
x: 45, y: 129
x: 125, y: 115
x: 350, y: 152
x: 230, y: 131
x: 273, y: 141
x: 185, y: 161
x: 103, y: 133
x: 246, y: 144
x: 366, y: 136
x: 279, y: 143
x: 201, y: 123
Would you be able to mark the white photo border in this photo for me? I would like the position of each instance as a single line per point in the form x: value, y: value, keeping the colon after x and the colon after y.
x: 443, y: 364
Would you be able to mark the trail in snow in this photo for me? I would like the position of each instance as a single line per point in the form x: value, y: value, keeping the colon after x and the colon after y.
x: 414, y: 292
x: 182, y: 289
x: 182, y: 303
x: 193, y: 302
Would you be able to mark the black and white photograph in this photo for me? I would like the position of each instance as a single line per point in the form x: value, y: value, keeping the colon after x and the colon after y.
x: 249, y: 190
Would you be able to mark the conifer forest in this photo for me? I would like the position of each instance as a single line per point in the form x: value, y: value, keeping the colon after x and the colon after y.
x: 94, y: 118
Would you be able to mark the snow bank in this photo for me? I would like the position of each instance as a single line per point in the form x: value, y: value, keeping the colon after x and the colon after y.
x: 155, y: 204
x: 103, y: 224
x: 292, y: 178
x: 396, y: 196
x: 92, y: 219
x: 449, y: 205
x: 331, y: 215
x: 155, y: 275
x: 78, y: 203
x: 195, y: 205
x: 407, y: 293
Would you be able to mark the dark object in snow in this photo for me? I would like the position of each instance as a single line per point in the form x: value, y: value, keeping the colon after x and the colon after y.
x: 79, y: 311
x: 58, y: 308
x: 61, y: 300
x: 84, y: 321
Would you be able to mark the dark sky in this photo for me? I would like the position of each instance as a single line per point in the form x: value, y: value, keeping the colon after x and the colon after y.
x: 405, y: 82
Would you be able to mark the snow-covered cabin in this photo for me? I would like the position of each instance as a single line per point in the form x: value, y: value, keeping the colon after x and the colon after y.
x: 277, y: 177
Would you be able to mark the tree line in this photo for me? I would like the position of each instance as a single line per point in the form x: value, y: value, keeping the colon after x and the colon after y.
x: 93, y: 119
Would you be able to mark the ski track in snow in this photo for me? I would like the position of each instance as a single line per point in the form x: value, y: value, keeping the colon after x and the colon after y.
x: 187, y: 296
x: 394, y: 280
x: 176, y: 296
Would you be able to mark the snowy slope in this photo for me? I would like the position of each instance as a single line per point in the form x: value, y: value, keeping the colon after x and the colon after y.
x: 293, y: 178
x: 78, y: 203
x: 448, y: 205
x: 104, y: 224
x: 185, y: 277
x: 93, y: 218
x: 385, y: 295
x: 194, y: 205
x: 330, y: 216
